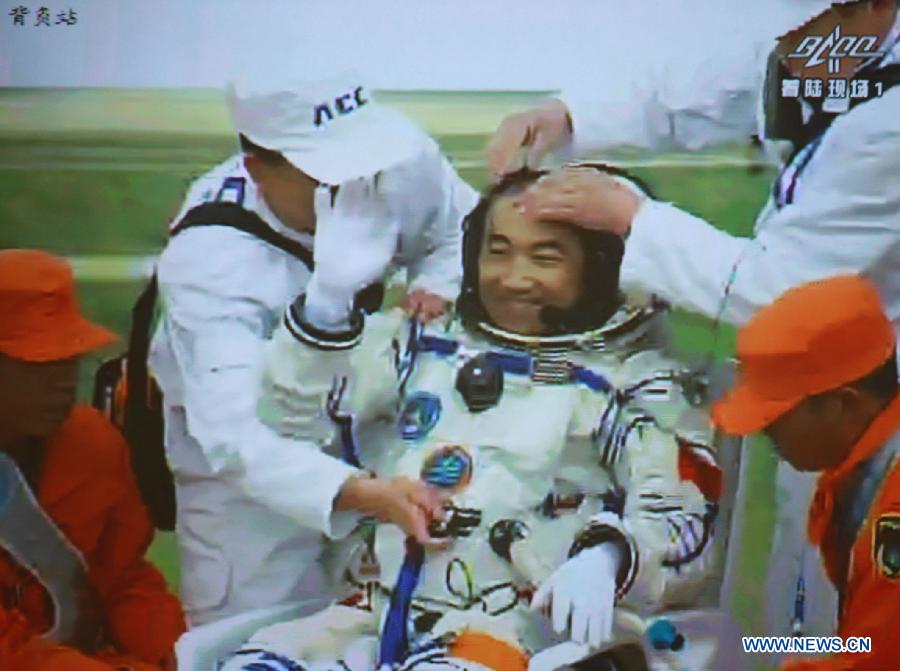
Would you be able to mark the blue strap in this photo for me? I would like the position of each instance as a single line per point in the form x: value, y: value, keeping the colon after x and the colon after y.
x: 513, y: 363
x: 437, y: 345
x: 349, y: 451
x: 784, y: 193
x: 394, y: 644
x: 405, y: 362
x: 591, y: 379
x: 344, y: 421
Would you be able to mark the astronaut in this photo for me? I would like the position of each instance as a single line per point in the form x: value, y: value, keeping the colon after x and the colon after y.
x: 575, y: 462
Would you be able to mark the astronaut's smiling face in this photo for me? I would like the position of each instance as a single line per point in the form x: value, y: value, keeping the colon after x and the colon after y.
x: 524, y: 266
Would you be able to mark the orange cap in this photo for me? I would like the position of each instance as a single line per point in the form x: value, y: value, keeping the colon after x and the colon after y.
x: 39, y: 315
x: 813, y: 338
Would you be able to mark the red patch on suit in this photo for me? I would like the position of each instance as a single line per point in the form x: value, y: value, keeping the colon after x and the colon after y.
x: 696, y: 464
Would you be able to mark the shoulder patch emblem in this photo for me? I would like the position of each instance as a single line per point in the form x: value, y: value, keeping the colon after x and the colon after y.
x: 886, y: 548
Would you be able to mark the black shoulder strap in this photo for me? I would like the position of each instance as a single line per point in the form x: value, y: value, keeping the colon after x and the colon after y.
x: 233, y: 215
x: 206, y: 214
x: 143, y: 422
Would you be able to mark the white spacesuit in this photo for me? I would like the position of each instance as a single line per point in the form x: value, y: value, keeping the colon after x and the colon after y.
x: 557, y: 453
x: 546, y: 447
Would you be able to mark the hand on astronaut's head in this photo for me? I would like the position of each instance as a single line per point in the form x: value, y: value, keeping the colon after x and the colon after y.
x: 539, y: 131
x: 581, y: 594
x: 583, y: 196
x: 354, y: 243
x: 410, y: 504
x: 425, y: 305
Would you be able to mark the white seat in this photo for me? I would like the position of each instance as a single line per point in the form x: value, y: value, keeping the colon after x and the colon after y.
x: 205, y: 647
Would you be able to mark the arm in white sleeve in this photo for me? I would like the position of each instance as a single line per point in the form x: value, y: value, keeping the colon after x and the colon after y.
x: 842, y: 220
x: 679, y: 91
x: 657, y: 515
x: 309, y: 393
x: 672, y: 509
x: 440, y: 270
x: 215, y: 327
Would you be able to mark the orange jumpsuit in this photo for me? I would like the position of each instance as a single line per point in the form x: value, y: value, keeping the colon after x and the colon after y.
x: 867, y: 574
x: 87, y: 488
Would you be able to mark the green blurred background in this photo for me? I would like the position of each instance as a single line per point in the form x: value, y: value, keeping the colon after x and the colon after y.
x: 95, y: 175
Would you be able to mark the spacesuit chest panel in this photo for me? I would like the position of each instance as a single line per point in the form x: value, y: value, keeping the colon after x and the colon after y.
x: 510, y: 453
x: 514, y: 447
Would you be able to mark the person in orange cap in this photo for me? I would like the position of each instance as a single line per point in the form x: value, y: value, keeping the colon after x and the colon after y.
x: 819, y: 376
x: 76, y: 593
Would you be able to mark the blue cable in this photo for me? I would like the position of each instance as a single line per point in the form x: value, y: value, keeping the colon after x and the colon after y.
x: 590, y: 379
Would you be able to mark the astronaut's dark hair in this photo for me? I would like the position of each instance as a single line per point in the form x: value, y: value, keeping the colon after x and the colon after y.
x: 269, y: 156
x: 599, y: 296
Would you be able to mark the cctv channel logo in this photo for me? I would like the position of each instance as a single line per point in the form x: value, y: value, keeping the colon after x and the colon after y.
x: 817, y: 49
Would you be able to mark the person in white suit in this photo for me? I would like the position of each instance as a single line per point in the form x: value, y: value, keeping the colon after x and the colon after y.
x: 834, y: 208
x: 321, y: 164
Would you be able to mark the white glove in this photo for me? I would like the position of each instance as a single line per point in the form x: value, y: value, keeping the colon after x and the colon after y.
x: 583, y: 589
x: 355, y: 241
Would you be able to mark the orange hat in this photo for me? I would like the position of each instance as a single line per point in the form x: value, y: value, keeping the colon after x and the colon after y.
x: 814, y: 338
x: 39, y: 315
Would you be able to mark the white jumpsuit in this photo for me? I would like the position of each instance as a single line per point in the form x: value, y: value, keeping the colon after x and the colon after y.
x: 555, y: 453
x: 248, y: 532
